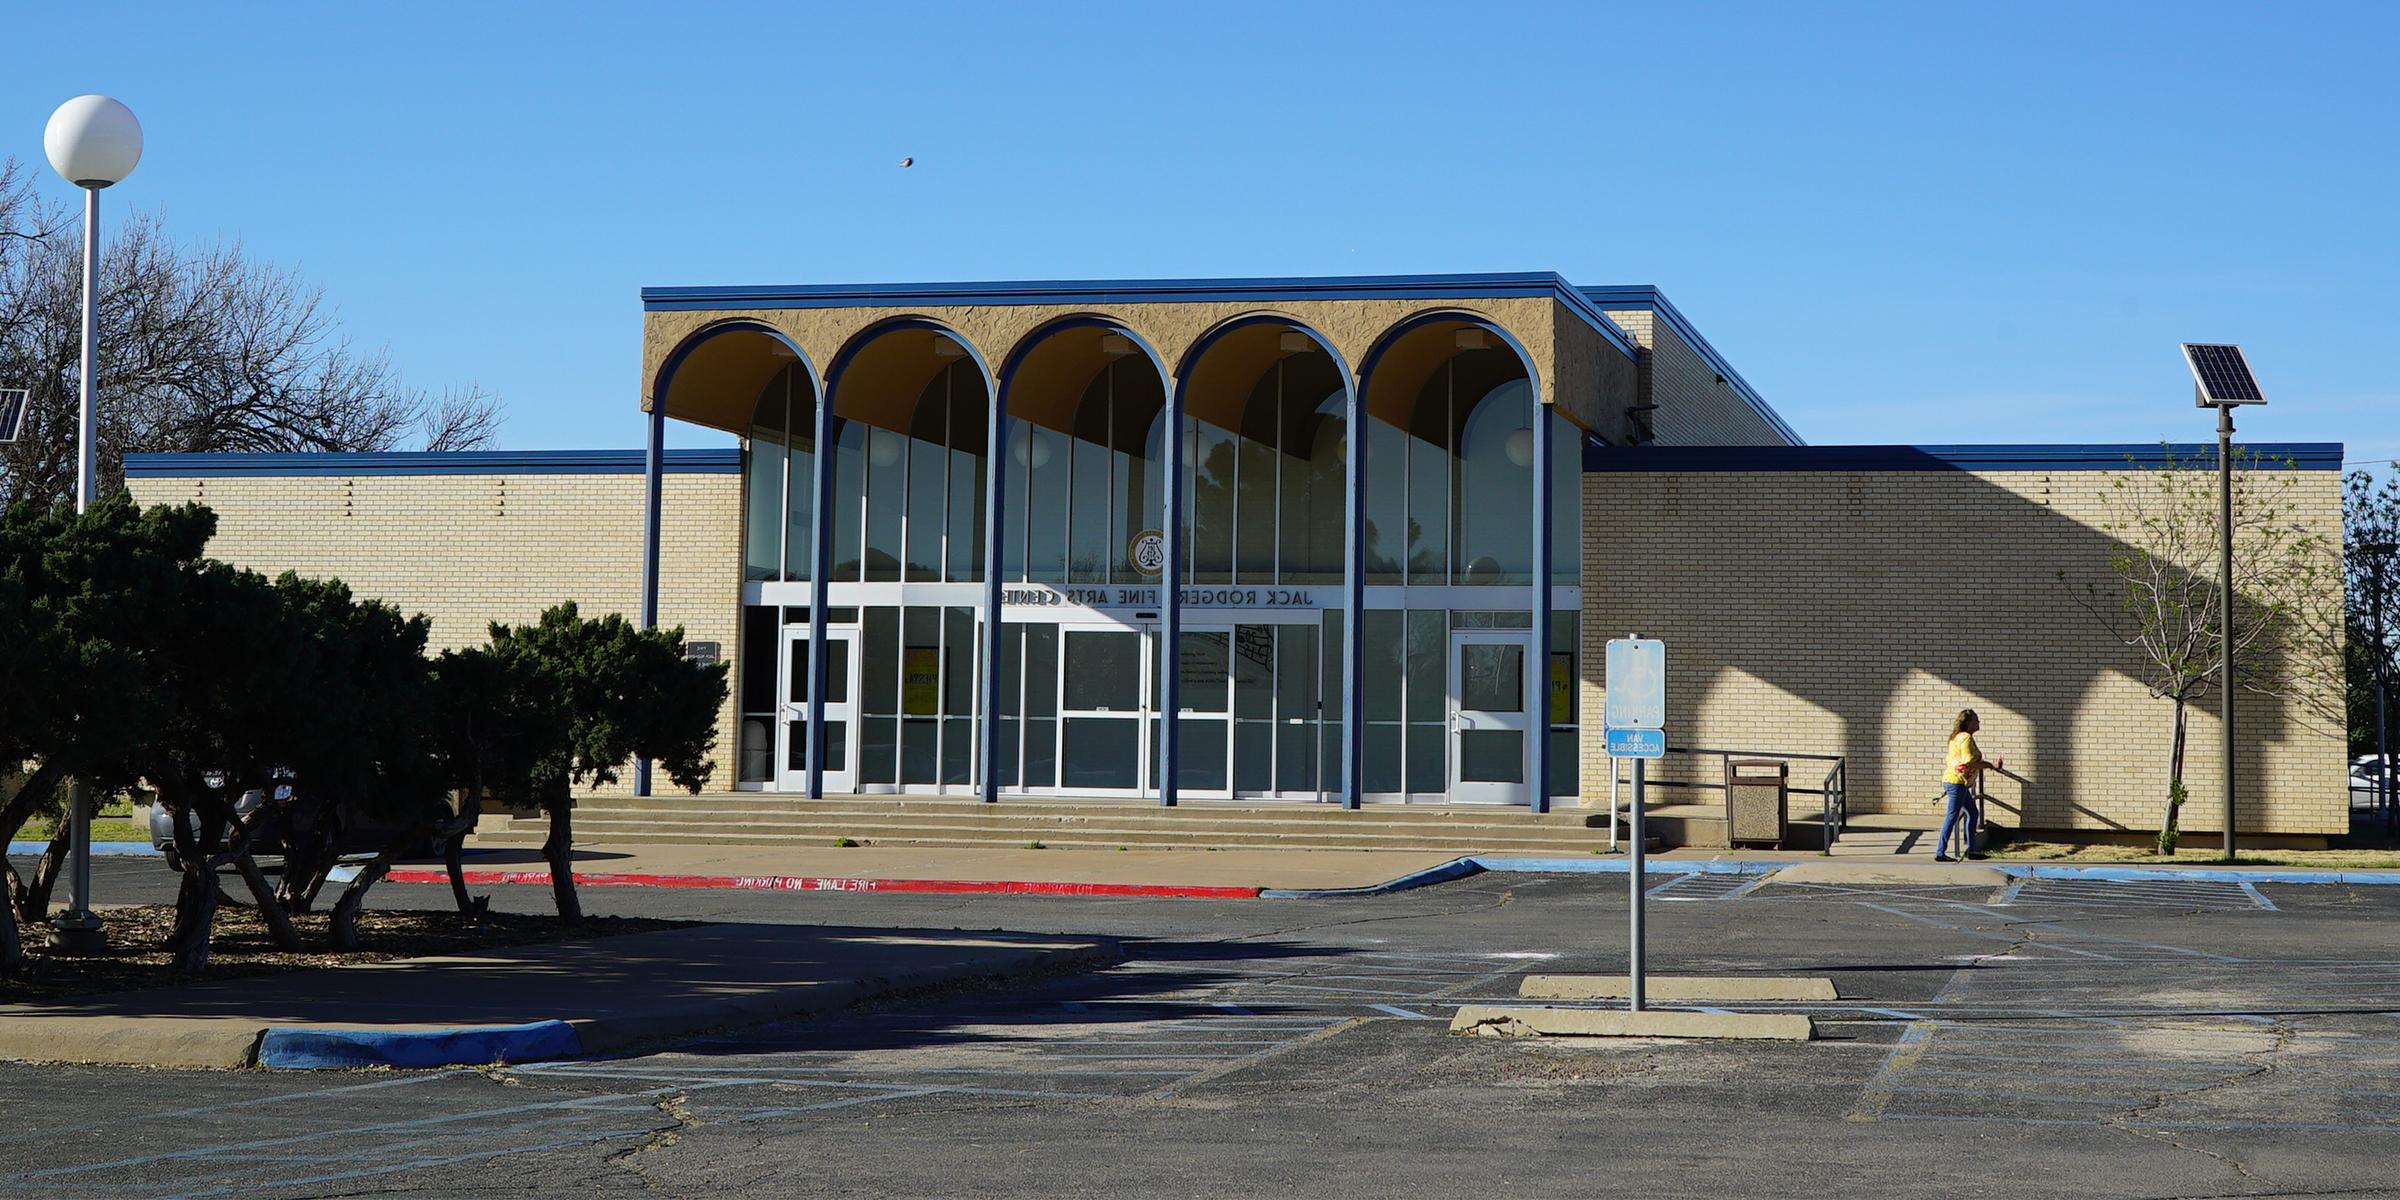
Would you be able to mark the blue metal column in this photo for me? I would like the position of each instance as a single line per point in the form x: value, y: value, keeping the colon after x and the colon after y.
x: 1170, y: 601
x: 995, y: 531
x: 1354, y: 593
x: 653, y: 473
x: 820, y: 562
x: 1542, y: 562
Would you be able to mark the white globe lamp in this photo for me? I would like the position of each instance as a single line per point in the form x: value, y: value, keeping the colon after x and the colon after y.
x: 1519, y: 447
x: 93, y: 141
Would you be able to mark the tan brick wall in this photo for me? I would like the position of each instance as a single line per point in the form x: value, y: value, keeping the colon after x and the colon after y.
x: 1826, y: 612
x: 467, y: 550
x: 1693, y: 408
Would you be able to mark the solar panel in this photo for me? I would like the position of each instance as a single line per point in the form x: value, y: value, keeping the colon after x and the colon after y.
x: 12, y: 413
x: 2222, y: 373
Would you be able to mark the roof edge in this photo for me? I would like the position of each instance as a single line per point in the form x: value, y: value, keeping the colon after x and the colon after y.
x: 429, y: 462
x: 1267, y: 289
x: 2302, y: 456
x: 1647, y: 296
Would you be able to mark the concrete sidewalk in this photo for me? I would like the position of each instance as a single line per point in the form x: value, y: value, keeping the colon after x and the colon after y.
x: 1221, y: 874
x: 523, y: 1003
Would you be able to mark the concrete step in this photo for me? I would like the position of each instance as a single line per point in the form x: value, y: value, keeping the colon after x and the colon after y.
x: 1004, y: 817
x: 758, y: 803
x: 1076, y: 840
x: 1359, y: 837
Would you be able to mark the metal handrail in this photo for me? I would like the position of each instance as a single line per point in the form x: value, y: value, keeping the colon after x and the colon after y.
x: 1834, y: 792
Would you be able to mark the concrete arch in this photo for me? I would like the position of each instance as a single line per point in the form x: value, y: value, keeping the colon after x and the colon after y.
x: 1037, y: 360
x: 883, y: 374
x: 712, y: 378
x: 1399, y: 361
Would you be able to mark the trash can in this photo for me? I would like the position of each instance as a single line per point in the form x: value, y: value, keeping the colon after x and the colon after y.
x: 1757, y: 801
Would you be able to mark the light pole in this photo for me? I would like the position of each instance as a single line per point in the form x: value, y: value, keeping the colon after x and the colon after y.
x: 2221, y: 380
x: 2378, y: 583
x: 93, y: 142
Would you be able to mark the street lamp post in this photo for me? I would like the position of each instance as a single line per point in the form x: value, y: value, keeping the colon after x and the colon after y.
x: 2378, y: 584
x: 93, y: 142
x: 2225, y: 608
x: 2221, y: 380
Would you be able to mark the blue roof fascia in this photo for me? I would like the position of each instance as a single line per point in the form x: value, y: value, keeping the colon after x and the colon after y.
x: 2304, y: 456
x: 443, y: 462
x: 1647, y: 296
x: 1140, y: 291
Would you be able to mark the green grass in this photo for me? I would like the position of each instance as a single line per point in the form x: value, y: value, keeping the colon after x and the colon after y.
x: 117, y: 821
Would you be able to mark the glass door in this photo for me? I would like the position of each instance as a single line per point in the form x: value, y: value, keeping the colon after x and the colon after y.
x: 1104, y: 706
x: 1204, y: 683
x: 1491, y: 720
x: 841, y: 711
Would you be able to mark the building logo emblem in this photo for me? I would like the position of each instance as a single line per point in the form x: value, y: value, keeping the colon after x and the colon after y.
x: 1148, y: 550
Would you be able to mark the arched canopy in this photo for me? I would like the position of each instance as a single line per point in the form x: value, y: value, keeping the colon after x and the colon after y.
x: 1043, y: 380
x: 715, y: 377
x: 1268, y: 400
x: 1396, y: 370
x: 1225, y: 365
x: 879, y: 375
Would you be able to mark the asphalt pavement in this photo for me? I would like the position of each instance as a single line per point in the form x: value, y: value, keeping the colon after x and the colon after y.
x: 2045, y: 1037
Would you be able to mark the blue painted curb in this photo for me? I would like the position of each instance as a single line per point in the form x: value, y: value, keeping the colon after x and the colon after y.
x: 111, y: 848
x: 1476, y: 864
x: 289, y: 1049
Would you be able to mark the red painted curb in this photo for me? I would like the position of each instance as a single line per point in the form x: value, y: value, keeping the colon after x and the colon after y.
x: 836, y: 883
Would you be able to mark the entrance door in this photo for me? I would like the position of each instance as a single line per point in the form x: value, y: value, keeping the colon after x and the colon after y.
x: 1491, y: 718
x: 1104, y: 704
x: 841, y: 712
x: 1204, y: 691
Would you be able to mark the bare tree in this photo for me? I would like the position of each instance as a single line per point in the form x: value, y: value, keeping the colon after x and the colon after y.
x: 2164, y: 599
x: 201, y: 350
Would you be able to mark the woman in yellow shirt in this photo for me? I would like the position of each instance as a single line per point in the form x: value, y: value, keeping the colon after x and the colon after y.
x: 1960, y: 770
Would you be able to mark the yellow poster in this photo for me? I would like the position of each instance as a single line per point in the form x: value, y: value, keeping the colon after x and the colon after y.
x: 1562, y: 688
x: 920, y: 681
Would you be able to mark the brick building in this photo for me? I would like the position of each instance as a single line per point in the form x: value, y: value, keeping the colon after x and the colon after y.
x: 1543, y: 466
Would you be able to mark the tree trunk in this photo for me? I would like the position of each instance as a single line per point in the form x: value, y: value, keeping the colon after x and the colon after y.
x: 454, y: 859
x: 2172, y: 828
x: 470, y: 811
x: 344, y: 927
x: 196, y: 901
x: 197, y: 923
x: 35, y: 905
x: 270, y: 907
x: 559, y: 849
x: 30, y: 795
x: 12, y: 950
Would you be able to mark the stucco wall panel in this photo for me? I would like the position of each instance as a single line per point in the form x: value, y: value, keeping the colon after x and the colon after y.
x: 996, y: 331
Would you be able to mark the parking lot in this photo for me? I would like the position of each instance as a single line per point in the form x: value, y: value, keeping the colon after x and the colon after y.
x: 2052, y: 1037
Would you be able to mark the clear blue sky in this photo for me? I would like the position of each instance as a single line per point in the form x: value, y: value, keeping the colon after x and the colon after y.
x: 1903, y: 223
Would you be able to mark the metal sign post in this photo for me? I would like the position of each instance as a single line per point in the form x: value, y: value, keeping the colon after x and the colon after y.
x: 1634, y: 718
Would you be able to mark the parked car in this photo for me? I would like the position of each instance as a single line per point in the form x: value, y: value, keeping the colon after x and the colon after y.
x: 2363, y: 778
x: 357, y: 844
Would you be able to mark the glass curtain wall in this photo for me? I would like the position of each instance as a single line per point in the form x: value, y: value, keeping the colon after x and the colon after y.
x: 779, y: 480
x: 908, y: 492
x: 1448, y: 503
x: 1265, y: 503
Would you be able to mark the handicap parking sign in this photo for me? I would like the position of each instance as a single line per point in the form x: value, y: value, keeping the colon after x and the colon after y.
x: 1637, y: 684
x: 1636, y: 743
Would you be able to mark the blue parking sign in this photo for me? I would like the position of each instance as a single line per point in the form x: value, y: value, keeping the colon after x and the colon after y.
x: 1636, y: 743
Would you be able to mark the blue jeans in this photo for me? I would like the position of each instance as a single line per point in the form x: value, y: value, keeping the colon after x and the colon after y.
x: 1961, y: 813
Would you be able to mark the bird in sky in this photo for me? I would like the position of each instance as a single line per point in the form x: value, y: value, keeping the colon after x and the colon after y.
x: 908, y: 162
